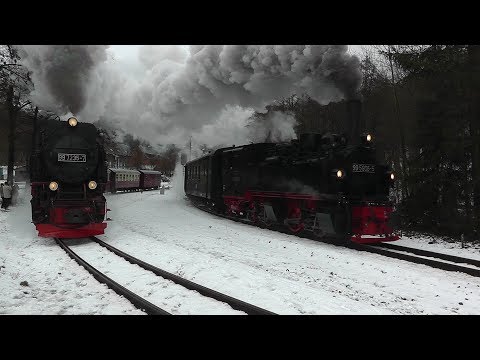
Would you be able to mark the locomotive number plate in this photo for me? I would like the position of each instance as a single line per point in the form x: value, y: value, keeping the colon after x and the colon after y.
x: 72, y: 157
x: 365, y: 168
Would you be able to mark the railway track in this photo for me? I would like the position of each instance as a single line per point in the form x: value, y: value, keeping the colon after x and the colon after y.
x: 425, y: 257
x: 417, y: 256
x: 144, y: 304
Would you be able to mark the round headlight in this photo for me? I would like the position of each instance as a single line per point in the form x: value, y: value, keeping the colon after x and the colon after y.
x: 53, y: 186
x: 392, y: 176
x: 369, y: 137
x: 92, y: 185
x: 72, y: 121
x: 339, y: 174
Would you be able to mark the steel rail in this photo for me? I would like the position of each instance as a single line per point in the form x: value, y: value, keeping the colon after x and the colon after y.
x: 381, y: 249
x: 136, y: 300
x: 233, y: 302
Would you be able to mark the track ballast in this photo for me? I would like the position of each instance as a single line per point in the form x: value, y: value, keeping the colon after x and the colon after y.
x: 417, y: 256
x: 145, y: 305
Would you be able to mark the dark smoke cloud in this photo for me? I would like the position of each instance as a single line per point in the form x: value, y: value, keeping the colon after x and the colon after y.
x: 185, y: 94
x: 180, y: 96
x: 61, y: 73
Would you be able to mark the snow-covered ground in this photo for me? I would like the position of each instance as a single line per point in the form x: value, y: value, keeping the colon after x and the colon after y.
x: 282, y: 273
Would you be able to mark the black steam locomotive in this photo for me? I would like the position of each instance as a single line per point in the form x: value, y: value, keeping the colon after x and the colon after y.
x: 68, y: 173
x: 321, y: 183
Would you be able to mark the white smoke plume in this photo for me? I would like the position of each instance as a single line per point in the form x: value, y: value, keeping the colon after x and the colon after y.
x: 275, y: 127
x: 186, y: 93
x: 234, y: 126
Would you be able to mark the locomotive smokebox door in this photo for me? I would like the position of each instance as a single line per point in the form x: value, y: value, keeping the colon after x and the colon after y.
x: 76, y: 216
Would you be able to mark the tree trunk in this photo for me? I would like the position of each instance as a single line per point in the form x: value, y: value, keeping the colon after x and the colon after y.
x: 11, y: 138
x: 34, y: 133
x: 402, y: 135
x: 474, y: 66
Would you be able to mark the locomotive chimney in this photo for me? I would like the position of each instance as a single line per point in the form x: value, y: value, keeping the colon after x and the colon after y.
x: 355, y: 123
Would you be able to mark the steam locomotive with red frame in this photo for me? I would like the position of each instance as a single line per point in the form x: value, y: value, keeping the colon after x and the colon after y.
x: 68, y: 173
x: 325, y: 184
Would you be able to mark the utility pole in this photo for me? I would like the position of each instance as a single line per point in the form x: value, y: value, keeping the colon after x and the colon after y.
x: 35, y: 119
x: 11, y: 137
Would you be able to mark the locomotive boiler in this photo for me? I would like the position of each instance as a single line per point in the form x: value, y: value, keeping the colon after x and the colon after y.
x: 68, y: 173
x: 328, y: 184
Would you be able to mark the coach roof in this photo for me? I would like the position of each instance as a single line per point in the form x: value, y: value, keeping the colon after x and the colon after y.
x: 150, y: 172
x: 124, y: 171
